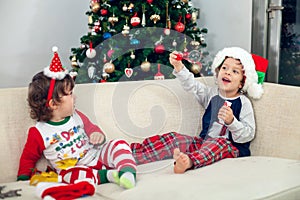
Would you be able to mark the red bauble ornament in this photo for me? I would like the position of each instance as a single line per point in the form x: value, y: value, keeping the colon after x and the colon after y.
x: 149, y: 1
x: 135, y: 20
x: 103, y: 12
x: 179, y: 27
x: 188, y: 16
x: 159, y: 48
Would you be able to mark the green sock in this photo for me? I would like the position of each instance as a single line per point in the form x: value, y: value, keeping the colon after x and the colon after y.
x: 127, y: 177
x: 113, y: 176
x: 103, y: 176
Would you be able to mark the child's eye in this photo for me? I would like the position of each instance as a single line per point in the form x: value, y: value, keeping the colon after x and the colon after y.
x: 236, y: 71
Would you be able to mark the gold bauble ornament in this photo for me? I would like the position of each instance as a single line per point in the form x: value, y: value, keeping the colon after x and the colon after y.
x: 109, y: 68
x: 95, y: 7
x: 145, y: 66
x: 196, y: 69
x: 185, y: 1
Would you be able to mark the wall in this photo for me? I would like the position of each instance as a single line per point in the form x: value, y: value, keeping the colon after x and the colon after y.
x: 30, y: 28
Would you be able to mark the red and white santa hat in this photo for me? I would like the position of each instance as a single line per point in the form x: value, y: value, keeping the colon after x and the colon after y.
x: 55, y: 70
x: 254, y: 69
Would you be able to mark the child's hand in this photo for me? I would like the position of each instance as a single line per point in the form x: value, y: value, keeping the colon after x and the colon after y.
x: 97, y: 138
x: 177, y: 64
x: 226, y: 114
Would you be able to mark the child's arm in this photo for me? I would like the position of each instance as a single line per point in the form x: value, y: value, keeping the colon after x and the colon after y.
x: 93, y: 131
x: 32, y: 152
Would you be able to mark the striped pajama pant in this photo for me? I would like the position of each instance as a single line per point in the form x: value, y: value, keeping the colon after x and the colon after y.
x: 201, y: 152
x: 116, y: 154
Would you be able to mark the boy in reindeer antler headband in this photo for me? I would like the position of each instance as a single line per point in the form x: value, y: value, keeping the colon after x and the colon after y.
x: 228, y: 124
x: 65, y: 135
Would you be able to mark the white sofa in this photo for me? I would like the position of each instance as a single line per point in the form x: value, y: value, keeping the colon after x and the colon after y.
x: 134, y: 110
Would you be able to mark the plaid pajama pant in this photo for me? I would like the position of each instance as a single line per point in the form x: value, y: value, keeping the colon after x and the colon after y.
x: 201, y: 152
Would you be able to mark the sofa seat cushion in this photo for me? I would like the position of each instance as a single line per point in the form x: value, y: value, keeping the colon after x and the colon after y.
x: 240, y: 178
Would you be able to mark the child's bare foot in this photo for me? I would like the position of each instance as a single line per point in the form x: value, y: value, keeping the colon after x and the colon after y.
x: 183, y: 162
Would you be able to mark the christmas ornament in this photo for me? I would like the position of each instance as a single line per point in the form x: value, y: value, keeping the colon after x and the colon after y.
x: 103, y: 11
x: 104, y: 76
x: 194, y: 56
x: 91, y: 70
x: 155, y: 18
x: 132, y: 56
x: 159, y: 75
x: 167, y: 31
x: 143, y: 16
x: 74, y: 61
x: 179, y: 26
x: 135, y: 20
x: 149, y: 1
x: 109, y: 67
x: 113, y: 20
x: 159, y: 48
x: 126, y: 29
x: 188, y: 16
x: 196, y: 68
x: 130, y: 7
x: 90, y: 52
x: 128, y: 71
x: 95, y: 7
x: 110, y: 53
x: 124, y: 8
x: 97, y: 27
x: 185, y: 1
x: 145, y: 66
x: 195, y: 16
x: 134, y: 41
x: 90, y: 19
x: 174, y: 43
x: 106, y: 35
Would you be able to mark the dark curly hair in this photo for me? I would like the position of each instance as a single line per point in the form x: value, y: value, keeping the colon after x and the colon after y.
x: 38, y: 92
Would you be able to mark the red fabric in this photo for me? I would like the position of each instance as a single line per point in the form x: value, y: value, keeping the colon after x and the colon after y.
x: 261, y: 64
x: 32, y: 152
x: 201, y: 152
x: 69, y: 191
x: 89, y: 127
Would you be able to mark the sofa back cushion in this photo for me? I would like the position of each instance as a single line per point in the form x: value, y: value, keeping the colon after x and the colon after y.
x: 135, y: 110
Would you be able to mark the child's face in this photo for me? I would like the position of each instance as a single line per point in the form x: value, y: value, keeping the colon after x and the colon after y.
x: 230, y: 77
x: 67, y: 104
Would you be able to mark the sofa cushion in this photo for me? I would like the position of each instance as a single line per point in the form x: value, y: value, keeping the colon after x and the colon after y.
x: 239, y: 178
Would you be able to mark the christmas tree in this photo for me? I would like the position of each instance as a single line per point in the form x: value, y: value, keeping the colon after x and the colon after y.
x: 131, y: 40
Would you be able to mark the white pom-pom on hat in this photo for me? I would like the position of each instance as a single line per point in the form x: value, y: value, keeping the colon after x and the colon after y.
x: 54, y: 48
x: 251, y: 85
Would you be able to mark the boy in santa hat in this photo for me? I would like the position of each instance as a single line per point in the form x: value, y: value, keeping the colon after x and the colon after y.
x: 63, y: 133
x: 228, y: 124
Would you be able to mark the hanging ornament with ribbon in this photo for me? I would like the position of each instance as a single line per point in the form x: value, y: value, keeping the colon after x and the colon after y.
x: 143, y: 16
x: 159, y: 75
x: 90, y: 52
x: 128, y: 71
x: 179, y: 26
x: 135, y: 20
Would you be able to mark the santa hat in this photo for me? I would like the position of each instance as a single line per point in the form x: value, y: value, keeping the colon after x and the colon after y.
x: 63, y: 191
x: 254, y: 69
x: 56, y: 72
